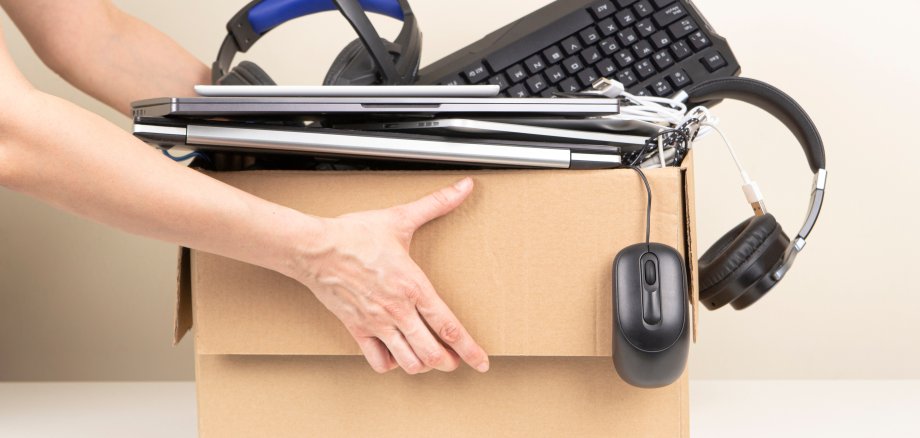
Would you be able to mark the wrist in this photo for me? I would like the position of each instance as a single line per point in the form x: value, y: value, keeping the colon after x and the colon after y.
x: 304, y: 244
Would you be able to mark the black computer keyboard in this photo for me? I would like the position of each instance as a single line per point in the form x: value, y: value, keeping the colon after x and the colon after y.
x: 654, y: 47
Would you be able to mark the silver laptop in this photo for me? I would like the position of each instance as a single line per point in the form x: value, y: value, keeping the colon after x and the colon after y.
x: 499, y: 130
x: 375, y: 145
x: 203, y: 107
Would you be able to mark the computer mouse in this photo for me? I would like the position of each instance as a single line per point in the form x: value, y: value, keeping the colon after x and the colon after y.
x: 651, y: 334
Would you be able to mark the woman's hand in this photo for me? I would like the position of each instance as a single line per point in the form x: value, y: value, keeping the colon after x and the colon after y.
x: 364, y: 275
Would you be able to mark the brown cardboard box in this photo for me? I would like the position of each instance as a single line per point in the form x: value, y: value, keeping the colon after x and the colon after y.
x: 525, y: 263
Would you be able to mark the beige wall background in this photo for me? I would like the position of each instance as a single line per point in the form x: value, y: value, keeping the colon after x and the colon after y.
x: 79, y: 301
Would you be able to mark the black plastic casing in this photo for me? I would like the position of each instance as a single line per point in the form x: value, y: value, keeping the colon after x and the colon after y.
x: 534, y: 24
x: 650, y: 355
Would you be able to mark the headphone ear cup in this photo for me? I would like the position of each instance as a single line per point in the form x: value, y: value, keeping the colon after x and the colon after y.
x: 354, y: 66
x: 737, y: 268
x: 246, y: 73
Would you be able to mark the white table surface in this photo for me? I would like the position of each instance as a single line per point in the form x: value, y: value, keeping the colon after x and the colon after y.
x: 718, y: 409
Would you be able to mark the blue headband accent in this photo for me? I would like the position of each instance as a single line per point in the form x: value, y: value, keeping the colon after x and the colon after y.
x: 271, y: 13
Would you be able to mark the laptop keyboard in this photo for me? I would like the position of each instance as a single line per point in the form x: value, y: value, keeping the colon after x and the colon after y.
x: 654, y: 47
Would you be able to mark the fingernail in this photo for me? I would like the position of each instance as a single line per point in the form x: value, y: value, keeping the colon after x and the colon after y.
x: 483, y: 367
x: 464, y: 183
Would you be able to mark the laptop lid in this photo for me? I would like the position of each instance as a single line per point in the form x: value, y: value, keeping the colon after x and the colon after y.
x: 388, y: 146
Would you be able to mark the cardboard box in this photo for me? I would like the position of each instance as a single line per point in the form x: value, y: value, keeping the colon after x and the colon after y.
x: 525, y: 263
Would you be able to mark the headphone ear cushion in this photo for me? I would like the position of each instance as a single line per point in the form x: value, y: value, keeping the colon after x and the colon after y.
x: 246, y: 73
x: 354, y: 66
x: 740, y: 259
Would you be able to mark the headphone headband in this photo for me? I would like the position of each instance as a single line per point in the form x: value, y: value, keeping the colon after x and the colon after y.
x: 788, y: 111
x: 260, y: 16
x: 769, y: 99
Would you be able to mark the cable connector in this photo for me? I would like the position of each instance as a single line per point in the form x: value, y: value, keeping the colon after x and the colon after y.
x: 755, y: 198
x: 608, y: 87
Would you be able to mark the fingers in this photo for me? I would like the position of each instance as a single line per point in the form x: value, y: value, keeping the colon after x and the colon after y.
x: 403, y: 353
x: 436, y: 204
x: 447, y: 327
x: 376, y: 354
x: 431, y: 352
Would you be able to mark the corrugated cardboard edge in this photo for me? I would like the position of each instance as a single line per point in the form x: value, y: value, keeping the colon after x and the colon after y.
x: 183, y: 316
x: 690, y: 242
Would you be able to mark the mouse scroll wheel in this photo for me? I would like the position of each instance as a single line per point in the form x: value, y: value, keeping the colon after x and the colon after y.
x: 650, y: 272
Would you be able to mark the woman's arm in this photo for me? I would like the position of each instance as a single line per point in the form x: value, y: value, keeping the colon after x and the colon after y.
x: 105, y: 52
x: 357, y: 265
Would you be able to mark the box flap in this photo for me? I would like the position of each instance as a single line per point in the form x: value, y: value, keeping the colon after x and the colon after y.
x: 692, y: 256
x: 183, y: 317
x: 525, y: 262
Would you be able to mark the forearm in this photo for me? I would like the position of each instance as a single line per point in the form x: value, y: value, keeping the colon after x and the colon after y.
x: 105, y: 52
x: 76, y: 160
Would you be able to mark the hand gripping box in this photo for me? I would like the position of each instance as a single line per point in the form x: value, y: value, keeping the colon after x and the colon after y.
x: 525, y: 263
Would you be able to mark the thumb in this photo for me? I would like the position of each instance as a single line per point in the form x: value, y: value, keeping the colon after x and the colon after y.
x: 437, y: 204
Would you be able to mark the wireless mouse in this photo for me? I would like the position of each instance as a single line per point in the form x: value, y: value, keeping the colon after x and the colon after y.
x: 651, y: 338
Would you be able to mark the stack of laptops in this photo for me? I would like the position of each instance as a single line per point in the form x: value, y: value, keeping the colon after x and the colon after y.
x: 459, y: 125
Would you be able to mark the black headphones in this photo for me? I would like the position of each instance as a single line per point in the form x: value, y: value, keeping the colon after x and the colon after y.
x: 366, y: 61
x: 743, y: 265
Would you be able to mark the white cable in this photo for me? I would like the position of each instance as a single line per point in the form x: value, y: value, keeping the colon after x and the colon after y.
x: 731, y: 150
x: 641, y: 108
x: 750, y: 188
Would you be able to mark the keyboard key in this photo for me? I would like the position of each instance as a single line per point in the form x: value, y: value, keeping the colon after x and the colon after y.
x: 555, y: 74
x: 627, y: 37
x: 588, y: 76
x: 625, y: 3
x: 501, y: 80
x: 536, y: 84
x: 549, y: 92
x: 679, y: 79
x: 534, y: 64
x: 699, y: 41
x: 662, y: 3
x: 625, y: 17
x: 645, y: 69
x: 455, y: 80
x: 627, y: 78
x: 591, y: 55
x: 590, y: 35
x: 516, y: 73
x: 663, y: 59
x: 660, y: 39
x: 539, y: 39
x: 645, y: 28
x: 644, y: 8
x: 681, y: 50
x: 518, y: 91
x: 662, y: 88
x: 624, y: 58
x: 571, y: 45
x: 553, y: 54
x: 573, y: 64
x: 476, y: 73
x: 682, y: 28
x: 607, y: 27
x: 602, y: 9
x: 606, y: 68
x: 570, y: 85
x: 714, y: 61
x: 643, y: 49
x: 643, y: 92
x: 669, y: 14
x: 609, y: 46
